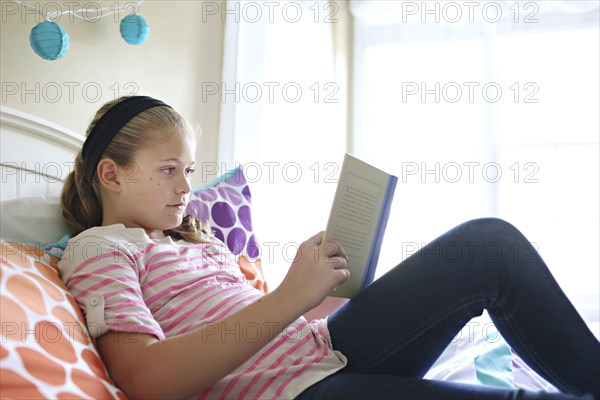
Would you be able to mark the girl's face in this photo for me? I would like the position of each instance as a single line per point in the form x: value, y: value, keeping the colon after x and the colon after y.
x: 156, y: 187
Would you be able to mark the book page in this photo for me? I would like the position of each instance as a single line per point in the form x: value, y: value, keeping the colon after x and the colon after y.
x: 354, y: 218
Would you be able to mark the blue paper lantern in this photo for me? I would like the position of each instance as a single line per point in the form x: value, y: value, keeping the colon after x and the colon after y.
x: 49, y: 40
x: 134, y: 29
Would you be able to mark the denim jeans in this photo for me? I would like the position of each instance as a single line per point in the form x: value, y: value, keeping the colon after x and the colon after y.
x: 396, y: 328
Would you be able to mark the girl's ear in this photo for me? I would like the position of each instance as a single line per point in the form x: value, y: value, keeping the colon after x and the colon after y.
x: 108, y: 175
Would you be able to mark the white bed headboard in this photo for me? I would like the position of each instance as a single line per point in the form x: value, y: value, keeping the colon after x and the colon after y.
x: 36, y: 154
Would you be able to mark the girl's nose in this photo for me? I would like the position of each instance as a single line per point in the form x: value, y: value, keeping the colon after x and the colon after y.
x: 184, y: 186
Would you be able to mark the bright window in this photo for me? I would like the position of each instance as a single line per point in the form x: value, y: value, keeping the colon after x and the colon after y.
x: 486, y: 119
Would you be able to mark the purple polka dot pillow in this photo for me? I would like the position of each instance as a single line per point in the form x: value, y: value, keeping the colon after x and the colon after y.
x: 225, y: 204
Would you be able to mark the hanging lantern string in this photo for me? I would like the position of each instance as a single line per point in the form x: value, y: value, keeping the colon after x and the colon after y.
x: 79, y: 13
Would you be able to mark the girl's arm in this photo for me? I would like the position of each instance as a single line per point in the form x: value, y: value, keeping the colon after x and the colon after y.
x: 181, y: 366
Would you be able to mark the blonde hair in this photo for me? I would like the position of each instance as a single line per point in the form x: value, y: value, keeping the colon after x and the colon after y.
x: 80, y: 198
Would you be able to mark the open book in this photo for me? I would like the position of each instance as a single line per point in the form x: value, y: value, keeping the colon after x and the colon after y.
x: 358, y: 218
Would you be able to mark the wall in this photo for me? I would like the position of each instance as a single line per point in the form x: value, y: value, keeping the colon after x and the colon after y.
x: 181, y: 52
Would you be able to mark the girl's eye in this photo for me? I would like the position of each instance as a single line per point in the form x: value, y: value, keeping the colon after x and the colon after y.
x: 168, y: 170
x: 190, y: 171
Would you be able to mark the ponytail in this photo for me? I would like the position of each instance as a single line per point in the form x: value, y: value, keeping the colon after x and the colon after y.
x: 80, y: 200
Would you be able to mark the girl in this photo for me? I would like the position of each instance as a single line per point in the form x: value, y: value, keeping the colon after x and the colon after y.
x: 173, y: 316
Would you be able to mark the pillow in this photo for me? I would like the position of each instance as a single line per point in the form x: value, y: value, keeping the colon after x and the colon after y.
x: 45, y: 351
x: 225, y: 204
x: 34, y: 220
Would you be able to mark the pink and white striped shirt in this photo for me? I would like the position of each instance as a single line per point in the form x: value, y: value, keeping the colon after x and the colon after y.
x: 125, y: 281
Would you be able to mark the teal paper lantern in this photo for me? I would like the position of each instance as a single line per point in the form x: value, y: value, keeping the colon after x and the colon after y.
x: 49, y: 40
x: 134, y: 29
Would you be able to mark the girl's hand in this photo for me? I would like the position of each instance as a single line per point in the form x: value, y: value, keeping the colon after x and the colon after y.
x: 317, y: 268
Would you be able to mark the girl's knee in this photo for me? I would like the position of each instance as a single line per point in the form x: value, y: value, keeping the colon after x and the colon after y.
x: 492, y: 227
x: 490, y: 224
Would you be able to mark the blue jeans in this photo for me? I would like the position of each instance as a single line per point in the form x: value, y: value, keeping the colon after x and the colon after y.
x: 395, y: 329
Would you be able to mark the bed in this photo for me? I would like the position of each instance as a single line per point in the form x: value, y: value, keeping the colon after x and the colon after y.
x: 45, y: 351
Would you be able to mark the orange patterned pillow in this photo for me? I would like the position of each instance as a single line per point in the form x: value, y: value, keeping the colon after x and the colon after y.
x: 45, y: 350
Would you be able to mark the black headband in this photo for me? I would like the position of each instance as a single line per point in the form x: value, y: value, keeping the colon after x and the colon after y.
x: 109, y: 124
